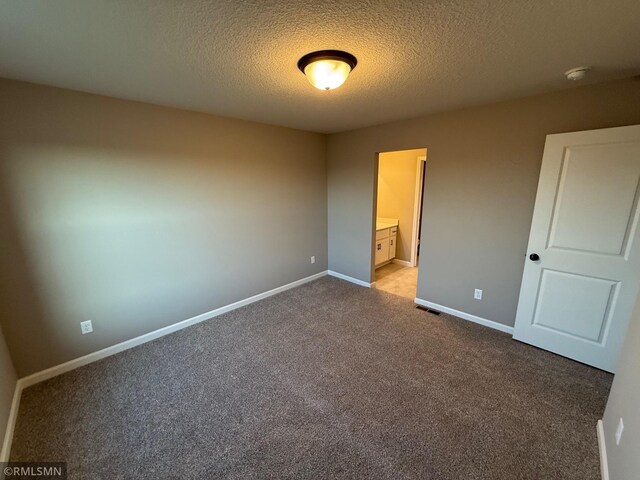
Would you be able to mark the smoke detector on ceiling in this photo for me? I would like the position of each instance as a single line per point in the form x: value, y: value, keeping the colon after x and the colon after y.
x: 577, y: 73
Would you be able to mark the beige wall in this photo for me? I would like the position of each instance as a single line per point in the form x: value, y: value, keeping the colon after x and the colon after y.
x: 137, y: 216
x: 396, y: 194
x: 480, y: 189
x: 624, y: 401
x: 7, y: 386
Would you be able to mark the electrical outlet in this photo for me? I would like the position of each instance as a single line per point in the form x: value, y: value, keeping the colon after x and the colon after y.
x: 477, y: 294
x: 86, y: 327
x: 313, y: 259
x: 619, y: 431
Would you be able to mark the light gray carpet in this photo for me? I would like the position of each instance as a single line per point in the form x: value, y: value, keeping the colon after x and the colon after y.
x: 329, y: 380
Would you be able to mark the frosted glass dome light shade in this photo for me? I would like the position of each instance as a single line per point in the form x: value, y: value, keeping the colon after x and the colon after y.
x: 327, y: 69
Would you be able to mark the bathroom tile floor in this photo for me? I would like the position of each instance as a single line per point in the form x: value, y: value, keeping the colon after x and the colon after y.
x: 397, y: 279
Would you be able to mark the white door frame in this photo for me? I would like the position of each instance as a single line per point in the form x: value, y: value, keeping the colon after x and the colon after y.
x: 421, y: 163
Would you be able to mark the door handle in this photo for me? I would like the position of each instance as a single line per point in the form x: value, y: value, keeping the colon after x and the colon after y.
x: 534, y: 257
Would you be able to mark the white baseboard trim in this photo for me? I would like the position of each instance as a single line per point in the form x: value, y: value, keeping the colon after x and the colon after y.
x: 11, y: 423
x: 350, y: 279
x: 147, y: 337
x: 404, y: 263
x: 38, y: 377
x: 602, y: 447
x: 465, y: 316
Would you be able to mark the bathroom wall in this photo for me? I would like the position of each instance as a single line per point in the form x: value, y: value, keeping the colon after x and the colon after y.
x: 397, y: 174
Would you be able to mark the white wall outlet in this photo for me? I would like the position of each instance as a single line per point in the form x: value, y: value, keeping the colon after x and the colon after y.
x: 477, y: 294
x: 619, y: 431
x: 313, y: 259
x: 86, y: 327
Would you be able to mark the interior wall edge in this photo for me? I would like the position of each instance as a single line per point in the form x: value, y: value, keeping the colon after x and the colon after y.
x: 11, y: 422
x: 8, y: 398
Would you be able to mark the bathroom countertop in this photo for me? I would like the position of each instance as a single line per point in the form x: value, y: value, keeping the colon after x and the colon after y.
x: 382, y: 223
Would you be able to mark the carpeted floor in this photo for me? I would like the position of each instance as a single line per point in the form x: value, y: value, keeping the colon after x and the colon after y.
x: 329, y: 380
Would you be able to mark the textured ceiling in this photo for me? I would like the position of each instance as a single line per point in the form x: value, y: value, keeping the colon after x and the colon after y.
x: 238, y: 58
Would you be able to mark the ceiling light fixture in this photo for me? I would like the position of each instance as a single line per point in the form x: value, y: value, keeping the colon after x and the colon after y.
x: 327, y: 69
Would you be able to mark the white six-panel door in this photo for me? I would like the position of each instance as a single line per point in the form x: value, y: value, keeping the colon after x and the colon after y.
x: 576, y: 299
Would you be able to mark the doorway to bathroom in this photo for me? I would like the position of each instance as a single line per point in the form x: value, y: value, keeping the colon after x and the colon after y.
x: 398, y: 194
